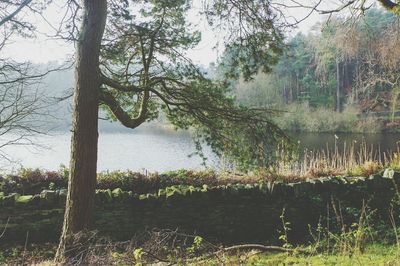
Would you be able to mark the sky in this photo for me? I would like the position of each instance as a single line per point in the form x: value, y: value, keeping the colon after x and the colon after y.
x: 44, y: 49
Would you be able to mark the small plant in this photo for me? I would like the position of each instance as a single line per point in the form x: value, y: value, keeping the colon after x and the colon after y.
x: 371, y: 167
x: 63, y: 171
x: 52, y: 186
x: 137, y: 255
x: 394, y: 160
x: 286, y: 228
x: 317, y: 237
x: 197, y: 242
x: 352, y: 239
x: 2, y: 258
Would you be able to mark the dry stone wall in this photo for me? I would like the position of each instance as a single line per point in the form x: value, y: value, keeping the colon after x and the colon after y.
x: 228, y: 214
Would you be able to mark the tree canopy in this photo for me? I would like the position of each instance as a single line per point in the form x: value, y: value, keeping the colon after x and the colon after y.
x: 144, y: 71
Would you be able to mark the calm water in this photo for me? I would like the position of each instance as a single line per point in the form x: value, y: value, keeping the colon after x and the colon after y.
x: 160, y: 150
x: 152, y: 150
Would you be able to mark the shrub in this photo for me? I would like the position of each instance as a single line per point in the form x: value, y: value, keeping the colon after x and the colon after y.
x: 301, y: 117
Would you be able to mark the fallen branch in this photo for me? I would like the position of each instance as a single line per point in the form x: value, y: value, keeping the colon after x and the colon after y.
x: 156, y: 257
x: 258, y: 247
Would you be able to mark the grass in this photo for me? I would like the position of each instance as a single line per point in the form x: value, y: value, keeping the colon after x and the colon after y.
x: 374, y: 255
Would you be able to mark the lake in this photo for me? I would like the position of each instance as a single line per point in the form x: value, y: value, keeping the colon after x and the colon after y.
x: 159, y: 150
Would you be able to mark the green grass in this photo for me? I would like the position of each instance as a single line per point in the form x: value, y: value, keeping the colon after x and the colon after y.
x: 374, y: 255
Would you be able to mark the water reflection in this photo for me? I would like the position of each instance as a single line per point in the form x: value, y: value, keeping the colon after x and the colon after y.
x: 152, y: 150
x: 164, y: 150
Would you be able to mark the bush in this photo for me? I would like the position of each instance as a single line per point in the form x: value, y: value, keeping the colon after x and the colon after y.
x: 301, y: 117
x: 33, y: 181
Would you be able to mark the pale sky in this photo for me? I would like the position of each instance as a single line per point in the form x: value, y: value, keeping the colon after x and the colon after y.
x: 44, y: 49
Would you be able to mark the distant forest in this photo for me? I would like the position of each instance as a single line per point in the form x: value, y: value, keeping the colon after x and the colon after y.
x: 350, y: 66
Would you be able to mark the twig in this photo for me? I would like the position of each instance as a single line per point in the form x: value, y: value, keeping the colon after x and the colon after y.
x: 5, y: 228
x: 25, y: 245
x: 259, y: 247
x: 156, y: 257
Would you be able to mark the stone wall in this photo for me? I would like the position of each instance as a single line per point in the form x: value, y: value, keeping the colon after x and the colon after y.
x: 224, y: 214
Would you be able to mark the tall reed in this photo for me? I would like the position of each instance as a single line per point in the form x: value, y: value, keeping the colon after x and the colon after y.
x: 349, y: 159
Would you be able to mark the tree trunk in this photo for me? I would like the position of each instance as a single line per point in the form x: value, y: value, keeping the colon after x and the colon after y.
x: 83, y: 164
x: 297, y: 86
x: 358, y: 81
x: 338, y: 80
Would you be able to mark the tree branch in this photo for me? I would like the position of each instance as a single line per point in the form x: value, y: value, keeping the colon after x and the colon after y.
x: 122, y: 116
x: 13, y: 14
x: 118, y: 86
x: 337, y: 9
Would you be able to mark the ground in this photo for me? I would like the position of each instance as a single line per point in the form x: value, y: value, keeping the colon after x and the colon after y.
x: 374, y: 255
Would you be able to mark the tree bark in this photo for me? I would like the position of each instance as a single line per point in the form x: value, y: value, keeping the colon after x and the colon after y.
x: 338, y: 81
x: 297, y: 86
x: 83, y: 164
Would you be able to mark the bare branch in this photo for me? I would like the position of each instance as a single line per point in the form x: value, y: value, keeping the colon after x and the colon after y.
x: 13, y: 14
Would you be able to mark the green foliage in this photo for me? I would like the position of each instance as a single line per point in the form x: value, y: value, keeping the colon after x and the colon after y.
x: 301, y: 117
x: 394, y: 162
x: 24, y: 199
x: 63, y: 171
x: 137, y: 254
x: 197, y: 243
x: 255, y: 36
x: 52, y: 186
x: 259, y: 92
x: 145, y: 71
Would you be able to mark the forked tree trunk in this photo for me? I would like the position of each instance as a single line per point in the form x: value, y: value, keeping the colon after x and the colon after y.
x: 83, y: 164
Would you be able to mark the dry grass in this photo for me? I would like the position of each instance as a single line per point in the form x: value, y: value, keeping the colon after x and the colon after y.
x: 350, y: 160
x: 46, y: 263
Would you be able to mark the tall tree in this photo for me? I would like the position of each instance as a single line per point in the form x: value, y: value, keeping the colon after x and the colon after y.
x: 83, y: 164
x: 139, y: 68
